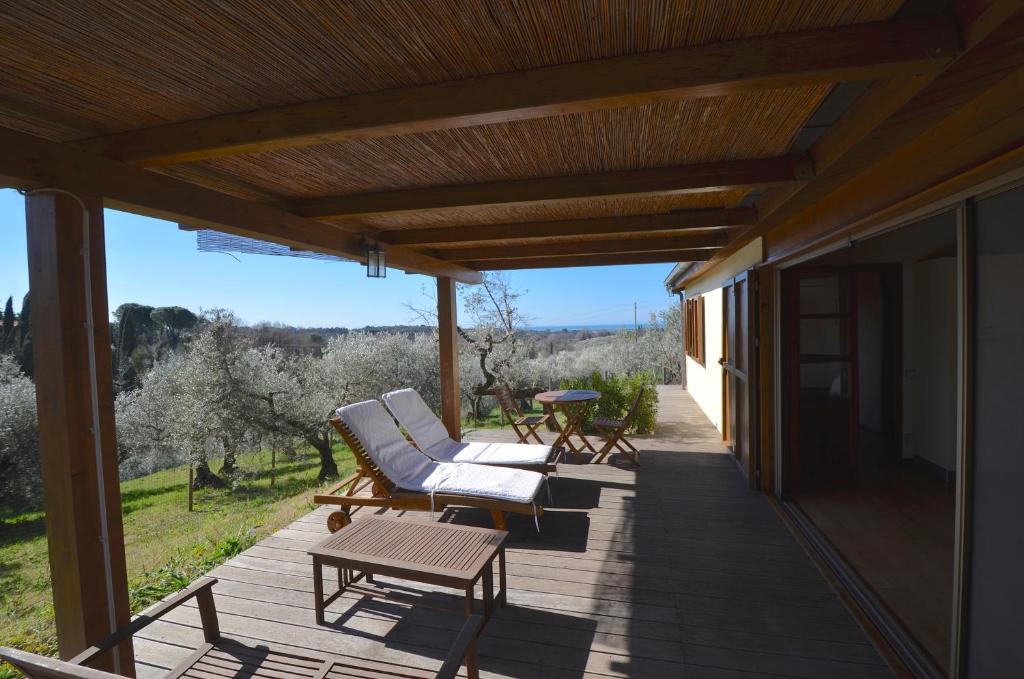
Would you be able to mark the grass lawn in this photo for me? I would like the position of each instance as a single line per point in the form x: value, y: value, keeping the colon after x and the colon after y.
x: 494, y: 420
x: 166, y: 547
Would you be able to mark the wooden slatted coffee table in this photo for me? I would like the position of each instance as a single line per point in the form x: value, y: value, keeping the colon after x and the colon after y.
x: 432, y: 553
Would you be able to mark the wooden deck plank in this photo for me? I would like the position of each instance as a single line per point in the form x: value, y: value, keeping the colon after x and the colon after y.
x: 672, y: 569
x: 657, y: 578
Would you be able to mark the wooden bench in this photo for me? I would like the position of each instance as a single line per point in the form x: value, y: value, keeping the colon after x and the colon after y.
x: 223, y: 656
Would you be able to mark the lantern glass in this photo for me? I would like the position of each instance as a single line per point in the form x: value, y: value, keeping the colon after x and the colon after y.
x: 376, y: 266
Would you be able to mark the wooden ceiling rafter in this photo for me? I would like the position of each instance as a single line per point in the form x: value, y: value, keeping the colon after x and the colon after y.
x: 824, y: 56
x: 710, y: 243
x: 555, y: 262
x: 637, y: 226
x: 697, y: 178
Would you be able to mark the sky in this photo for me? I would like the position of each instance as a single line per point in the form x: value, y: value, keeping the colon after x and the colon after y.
x: 150, y: 261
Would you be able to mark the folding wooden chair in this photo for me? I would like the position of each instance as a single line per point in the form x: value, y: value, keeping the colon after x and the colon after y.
x: 510, y: 409
x: 613, y: 431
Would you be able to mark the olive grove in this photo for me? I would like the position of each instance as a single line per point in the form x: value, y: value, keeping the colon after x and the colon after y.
x: 205, y: 389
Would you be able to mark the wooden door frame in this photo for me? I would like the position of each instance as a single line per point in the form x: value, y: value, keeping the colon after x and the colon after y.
x: 966, y: 283
x: 747, y: 376
x: 790, y: 354
x: 724, y: 358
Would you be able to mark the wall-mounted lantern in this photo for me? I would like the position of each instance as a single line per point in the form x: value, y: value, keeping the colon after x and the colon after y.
x: 376, y: 264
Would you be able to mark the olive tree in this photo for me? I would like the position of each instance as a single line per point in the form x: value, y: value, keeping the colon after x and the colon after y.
x: 491, y: 333
x: 285, y: 397
x: 20, y: 479
x: 148, y: 421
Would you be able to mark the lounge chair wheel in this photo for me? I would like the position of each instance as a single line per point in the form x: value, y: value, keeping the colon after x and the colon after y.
x: 338, y: 520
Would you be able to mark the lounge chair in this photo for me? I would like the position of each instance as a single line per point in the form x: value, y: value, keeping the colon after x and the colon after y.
x: 403, y: 477
x: 430, y: 436
x: 222, y: 656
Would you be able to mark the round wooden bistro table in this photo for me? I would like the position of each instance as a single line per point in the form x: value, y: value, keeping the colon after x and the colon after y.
x: 574, y: 403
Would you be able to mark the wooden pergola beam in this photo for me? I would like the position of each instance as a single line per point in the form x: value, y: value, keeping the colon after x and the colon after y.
x: 846, y: 53
x: 30, y: 161
x: 663, y: 257
x: 698, y: 178
x: 710, y: 242
x: 634, y: 225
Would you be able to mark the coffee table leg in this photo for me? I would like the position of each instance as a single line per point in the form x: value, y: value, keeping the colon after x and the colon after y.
x: 502, y: 597
x: 488, y: 590
x: 318, y: 590
x: 472, y: 668
x: 470, y: 599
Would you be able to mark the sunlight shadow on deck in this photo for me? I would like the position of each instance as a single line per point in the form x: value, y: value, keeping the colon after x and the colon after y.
x: 672, y: 569
x: 559, y: 530
x: 431, y: 626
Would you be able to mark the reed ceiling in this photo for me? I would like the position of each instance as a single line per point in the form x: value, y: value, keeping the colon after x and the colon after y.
x: 74, y: 71
x: 120, y: 66
x: 755, y: 125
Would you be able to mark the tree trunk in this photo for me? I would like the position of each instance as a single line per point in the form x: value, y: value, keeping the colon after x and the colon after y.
x: 229, y: 466
x: 328, y: 468
x: 475, y: 407
x: 206, y: 478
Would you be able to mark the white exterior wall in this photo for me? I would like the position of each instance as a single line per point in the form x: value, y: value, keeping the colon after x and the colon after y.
x: 704, y: 382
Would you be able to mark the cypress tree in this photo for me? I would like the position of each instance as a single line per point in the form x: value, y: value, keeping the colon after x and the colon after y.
x: 23, y: 337
x: 7, y: 326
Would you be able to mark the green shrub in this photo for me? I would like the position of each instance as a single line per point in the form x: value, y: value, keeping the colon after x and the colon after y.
x: 617, y: 394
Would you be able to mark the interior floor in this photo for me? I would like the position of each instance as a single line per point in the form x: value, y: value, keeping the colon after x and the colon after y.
x: 895, y: 528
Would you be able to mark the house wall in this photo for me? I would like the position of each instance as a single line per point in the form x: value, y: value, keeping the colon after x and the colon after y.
x: 704, y: 382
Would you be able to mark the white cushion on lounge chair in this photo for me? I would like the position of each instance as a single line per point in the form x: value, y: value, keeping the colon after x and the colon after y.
x: 481, y: 452
x: 431, y: 436
x: 415, y: 415
x: 412, y: 470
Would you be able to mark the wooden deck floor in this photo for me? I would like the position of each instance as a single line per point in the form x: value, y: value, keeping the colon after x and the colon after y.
x: 674, y: 569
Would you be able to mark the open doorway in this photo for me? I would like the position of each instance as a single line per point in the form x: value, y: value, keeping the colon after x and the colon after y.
x: 870, y: 337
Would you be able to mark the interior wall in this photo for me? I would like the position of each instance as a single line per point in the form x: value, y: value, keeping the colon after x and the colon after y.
x: 934, y: 363
x: 704, y: 382
x: 996, y: 588
x: 927, y: 252
x: 869, y: 350
x: 909, y: 342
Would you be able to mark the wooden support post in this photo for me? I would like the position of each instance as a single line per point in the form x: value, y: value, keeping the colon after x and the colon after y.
x: 447, y: 320
x: 77, y: 442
